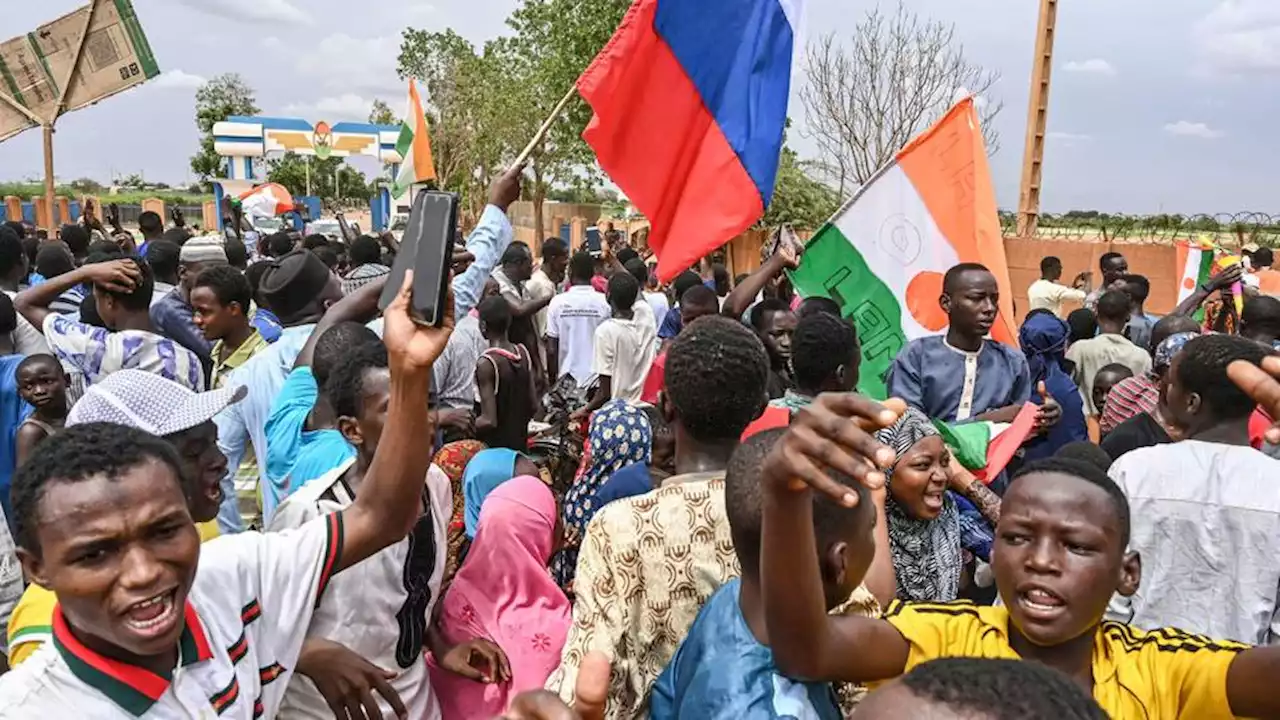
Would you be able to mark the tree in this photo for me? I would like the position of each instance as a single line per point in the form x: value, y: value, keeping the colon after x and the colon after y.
x: 217, y: 100
x: 554, y: 43
x: 382, y: 114
x: 798, y: 199
x: 898, y: 74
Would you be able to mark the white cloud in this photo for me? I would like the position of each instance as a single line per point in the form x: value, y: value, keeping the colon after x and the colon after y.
x: 345, y: 63
x: 419, y: 10
x: 347, y: 106
x: 177, y: 79
x: 1184, y: 128
x: 1092, y: 66
x: 254, y: 11
x: 1239, y: 36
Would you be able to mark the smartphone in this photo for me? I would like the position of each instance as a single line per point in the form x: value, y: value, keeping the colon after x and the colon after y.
x: 427, y: 249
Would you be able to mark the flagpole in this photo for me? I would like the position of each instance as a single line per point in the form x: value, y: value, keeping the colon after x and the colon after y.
x: 546, y: 126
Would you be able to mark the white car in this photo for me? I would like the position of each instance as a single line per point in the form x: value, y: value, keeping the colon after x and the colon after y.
x: 327, y: 227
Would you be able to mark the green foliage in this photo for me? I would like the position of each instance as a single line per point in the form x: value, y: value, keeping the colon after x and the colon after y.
x: 382, y: 114
x: 798, y: 199
x: 216, y: 100
x: 28, y: 190
x: 291, y: 171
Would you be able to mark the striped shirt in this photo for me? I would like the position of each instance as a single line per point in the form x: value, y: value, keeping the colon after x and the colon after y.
x: 1129, y: 397
x: 96, y: 352
x: 246, y: 618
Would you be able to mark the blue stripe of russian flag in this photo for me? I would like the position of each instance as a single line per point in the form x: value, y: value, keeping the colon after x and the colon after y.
x: 738, y: 54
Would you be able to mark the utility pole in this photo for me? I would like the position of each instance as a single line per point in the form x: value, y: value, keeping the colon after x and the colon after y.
x: 1037, y: 120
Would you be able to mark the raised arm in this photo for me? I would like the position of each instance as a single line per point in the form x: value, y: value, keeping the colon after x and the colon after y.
x: 745, y: 293
x: 1251, y: 683
x: 806, y: 642
x: 33, y: 303
x: 390, y: 499
x: 488, y: 241
x: 1221, y: 279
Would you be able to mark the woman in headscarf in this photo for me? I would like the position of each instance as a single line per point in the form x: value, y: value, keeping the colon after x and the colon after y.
x: 1044, y: 341
x: 504, y: 594
x: 486, y: 471
x: 453, y: 459
x: 927, y: 531
x: 620, y: 435
x: 1149, y: 428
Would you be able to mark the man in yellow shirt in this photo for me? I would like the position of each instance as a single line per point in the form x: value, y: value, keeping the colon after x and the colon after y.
x: 1059, y: 556
x: 162, y: 407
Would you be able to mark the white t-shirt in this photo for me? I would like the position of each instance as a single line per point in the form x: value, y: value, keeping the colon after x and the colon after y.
x: 246, y: 619
x: 658, y: 304
x: 1046, y: 295
x: 539, y: 287
x: 624, y: 351
x: 641, y: 311
x: 572, y: 318
x: 1206, y: 520
x: 370, y: 607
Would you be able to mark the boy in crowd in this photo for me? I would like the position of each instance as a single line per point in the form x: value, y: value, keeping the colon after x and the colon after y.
x: 964, y: 375
x: 220, y: 298
x: 173, y: 315
x: 1048, y: 294
x: 572, y: 319
x: 27, y: 339
x: 123, y: 291
x: 1106, y: 379
x: 624, y: 348
x: 183, y: 419
x: 627, y: 604
x: 42, y: 385
x: 164, y: 258
x: 1113, y: 266
x: 1205, y: 508
x: 504, y: 382
x: 1140, y: 393
x: 548, y: 278
x: 826, y: 358
x: 394, y: 591
x: 775, y: 324
x: 670, y: 325
x: 235, y: 626
x: 1110, y: 346
x: 1060, y: 554
x: 978, y: 689
x: 1140, y: 325
x: 724, y: 668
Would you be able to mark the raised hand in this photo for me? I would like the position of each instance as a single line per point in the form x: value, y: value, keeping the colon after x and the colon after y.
x: 835, y: 431
x: 506, y: 189
x: 120, y: 276
x: 1049, y: 413
x: 413, y: 348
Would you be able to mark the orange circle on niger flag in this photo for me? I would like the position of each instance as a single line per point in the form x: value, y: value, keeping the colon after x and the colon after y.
x: 922, y: 301
x: 1188, y: 283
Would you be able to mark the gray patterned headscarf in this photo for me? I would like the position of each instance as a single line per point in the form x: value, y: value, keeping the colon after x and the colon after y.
x: 926, y: 553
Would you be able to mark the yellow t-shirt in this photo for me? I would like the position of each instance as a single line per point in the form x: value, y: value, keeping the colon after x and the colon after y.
x: 32, y: 618
x: 1149, y: 675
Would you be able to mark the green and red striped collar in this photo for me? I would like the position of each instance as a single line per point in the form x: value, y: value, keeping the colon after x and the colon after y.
x: 132, y: 688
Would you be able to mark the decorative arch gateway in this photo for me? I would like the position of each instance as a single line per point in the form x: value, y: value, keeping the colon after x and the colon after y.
x: 241, y: 140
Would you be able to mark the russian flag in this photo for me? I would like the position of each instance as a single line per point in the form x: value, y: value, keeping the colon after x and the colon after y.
x: 690, y: 102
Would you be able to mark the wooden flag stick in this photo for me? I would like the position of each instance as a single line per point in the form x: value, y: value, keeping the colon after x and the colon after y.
x: 546, y: 127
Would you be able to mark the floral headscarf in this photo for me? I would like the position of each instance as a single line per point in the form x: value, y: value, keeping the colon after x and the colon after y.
x: 619, y: 435
x: 926, y: 553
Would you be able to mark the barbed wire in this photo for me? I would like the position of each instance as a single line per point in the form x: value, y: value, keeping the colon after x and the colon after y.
x: 1231, y: 229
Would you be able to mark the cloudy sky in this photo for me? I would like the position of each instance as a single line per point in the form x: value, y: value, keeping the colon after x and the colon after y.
x: 1158, y: 105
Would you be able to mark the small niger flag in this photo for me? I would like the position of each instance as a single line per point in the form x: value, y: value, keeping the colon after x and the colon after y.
x: 414, y: 146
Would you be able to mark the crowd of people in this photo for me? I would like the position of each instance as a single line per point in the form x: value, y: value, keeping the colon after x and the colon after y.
x: 233, y: 486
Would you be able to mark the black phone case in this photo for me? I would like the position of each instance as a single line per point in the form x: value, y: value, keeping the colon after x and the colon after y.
x: 427, y: 248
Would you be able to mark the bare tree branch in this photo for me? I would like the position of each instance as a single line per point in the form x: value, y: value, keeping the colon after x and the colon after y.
x: 897, y: 75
